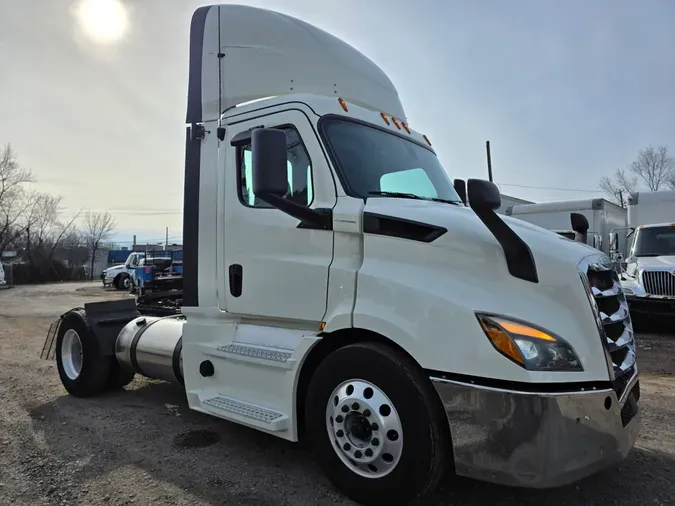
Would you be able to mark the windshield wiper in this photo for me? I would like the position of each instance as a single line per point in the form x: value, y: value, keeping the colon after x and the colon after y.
x: 446, y: 201
x: 396, y: 194
x: 413, y: 196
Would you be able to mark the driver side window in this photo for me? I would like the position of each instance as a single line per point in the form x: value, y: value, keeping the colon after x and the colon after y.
x: 299, y: 173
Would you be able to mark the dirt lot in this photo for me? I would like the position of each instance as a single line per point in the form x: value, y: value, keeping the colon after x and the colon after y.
x: 143, y: 446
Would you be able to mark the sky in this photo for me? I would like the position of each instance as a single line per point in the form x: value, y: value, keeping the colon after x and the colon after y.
x: 566, y: 92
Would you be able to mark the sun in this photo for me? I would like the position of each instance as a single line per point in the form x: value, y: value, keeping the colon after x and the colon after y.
x: 103, y: 21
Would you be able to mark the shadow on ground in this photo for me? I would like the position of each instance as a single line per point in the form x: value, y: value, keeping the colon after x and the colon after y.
x: 149, y: 427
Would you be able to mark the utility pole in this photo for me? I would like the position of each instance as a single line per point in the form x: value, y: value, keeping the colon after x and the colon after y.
x: 489, y: 160
x: 166, y: 241
x: 621, y: 197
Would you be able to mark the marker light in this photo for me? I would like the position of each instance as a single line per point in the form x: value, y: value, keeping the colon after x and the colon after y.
x: 405, y: 125
x: 343, y: 104
x: 427, y: 139
x: 396, y: 122
x: 532, y: 348
x: 384, y: 117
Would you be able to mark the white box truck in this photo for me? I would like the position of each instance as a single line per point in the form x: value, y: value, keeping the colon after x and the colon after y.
x: 602, y: 215
x: 337, y: 289
x: 649, y: 277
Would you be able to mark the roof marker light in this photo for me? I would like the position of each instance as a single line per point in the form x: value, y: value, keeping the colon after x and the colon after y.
x: 396, y: 123
x: 427, y: 139
x: 384, y: 117
x: 343, y: 104
x: 405, y: 125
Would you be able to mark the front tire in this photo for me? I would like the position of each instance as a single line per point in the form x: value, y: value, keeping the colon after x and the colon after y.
x: 83, y: 369
x: 376, y: 425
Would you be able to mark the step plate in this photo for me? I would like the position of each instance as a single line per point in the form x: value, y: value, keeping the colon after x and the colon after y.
x: 274, y: 420
x: 255, y: 352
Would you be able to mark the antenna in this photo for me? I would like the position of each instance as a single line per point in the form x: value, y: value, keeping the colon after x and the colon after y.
x: 489, y: 160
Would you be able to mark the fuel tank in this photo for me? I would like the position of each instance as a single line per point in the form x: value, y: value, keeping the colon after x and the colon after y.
x: 152, y: 346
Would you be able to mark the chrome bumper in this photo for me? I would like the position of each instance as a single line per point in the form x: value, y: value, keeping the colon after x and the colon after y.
x: 537, y: 440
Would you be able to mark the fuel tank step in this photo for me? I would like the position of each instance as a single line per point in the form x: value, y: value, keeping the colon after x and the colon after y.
x: 261, y: 416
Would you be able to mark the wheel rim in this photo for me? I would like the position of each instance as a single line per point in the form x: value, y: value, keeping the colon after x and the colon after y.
x: 71, y: 354
x: 365, y: 428
x: 125, y: 282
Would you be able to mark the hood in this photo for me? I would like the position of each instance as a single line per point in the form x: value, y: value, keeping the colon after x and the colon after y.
x: 468, y: 234
x: 656, y: 262
x: 115, y: 268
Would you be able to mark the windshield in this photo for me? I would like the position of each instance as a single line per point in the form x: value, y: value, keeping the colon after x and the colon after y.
x: 375, y: 163
x: 654, y: 241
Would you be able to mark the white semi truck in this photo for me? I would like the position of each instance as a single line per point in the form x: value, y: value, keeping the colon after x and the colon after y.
x: 603, y: 217
x: 337, y: 289
x: 649, y: 277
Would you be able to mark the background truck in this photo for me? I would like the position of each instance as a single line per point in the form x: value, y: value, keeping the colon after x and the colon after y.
x: 336, y: 288
x: 602, y: 216
x: 649, y: 277
x: 127, y: 277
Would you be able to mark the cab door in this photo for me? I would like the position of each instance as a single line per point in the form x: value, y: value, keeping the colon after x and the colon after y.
x: 272, y: 267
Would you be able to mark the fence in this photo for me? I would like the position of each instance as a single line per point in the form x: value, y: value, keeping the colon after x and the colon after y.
x: 24, y: 273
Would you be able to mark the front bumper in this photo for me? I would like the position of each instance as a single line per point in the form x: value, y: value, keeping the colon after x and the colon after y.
x: 538, y: 440
x: 653, y: 306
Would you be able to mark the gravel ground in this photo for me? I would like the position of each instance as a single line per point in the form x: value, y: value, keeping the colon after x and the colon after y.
x: 143, y: 446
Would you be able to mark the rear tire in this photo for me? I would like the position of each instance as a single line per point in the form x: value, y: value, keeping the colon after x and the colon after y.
x: 408, y: 441
x: 83, y: 369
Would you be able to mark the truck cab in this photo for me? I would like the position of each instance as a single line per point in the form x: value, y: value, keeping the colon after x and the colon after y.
x: 119, y: 276
x: 337, y: 289
x: 648, y: 277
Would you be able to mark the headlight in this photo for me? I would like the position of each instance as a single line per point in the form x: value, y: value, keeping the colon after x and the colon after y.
x: 530, y: 347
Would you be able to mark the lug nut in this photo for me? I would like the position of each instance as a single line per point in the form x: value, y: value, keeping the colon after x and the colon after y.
x: 357, y: 454
x: 375, y: 442
x: 339, y: 419
x: 345, y: 409
x: 340, y: 433
x: 347, y: 447
x: 369, y: 452
x: 355, y: 406
x: 374, y: 426
x: 366, y: 413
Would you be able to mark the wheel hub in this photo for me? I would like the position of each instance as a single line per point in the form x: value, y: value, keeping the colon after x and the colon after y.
x: 71, y: 354
x: 365, y: 427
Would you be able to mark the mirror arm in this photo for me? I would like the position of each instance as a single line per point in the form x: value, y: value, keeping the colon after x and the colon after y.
x: 309, y: 218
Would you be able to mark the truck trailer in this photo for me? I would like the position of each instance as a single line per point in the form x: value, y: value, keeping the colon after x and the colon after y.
x: 603, y: 217
x: 649, y: 277
x: 337, y: 289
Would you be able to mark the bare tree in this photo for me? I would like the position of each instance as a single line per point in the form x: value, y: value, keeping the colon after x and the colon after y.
x: 97, y: 228
x: 654, y: 166
x: 15, y: 199
x: 619, y: 186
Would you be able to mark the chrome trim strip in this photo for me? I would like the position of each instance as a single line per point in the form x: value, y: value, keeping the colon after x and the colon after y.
x: 435, y: 379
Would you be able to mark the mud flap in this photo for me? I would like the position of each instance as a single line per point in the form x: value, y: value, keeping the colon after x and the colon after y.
x: 49, y: 348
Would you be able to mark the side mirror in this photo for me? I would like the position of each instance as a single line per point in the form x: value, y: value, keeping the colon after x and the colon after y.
x: 580, y: 226
x: 269, y: 164
x: 613, y: 241
x: 483, y: 195
x: 460, y: 188
x: 579, y: 223
x: 484, y: 199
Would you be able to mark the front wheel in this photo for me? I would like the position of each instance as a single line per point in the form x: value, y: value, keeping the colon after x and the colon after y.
x: 376, y: 425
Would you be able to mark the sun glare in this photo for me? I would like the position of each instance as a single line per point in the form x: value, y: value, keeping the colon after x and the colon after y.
x: 103, y: 21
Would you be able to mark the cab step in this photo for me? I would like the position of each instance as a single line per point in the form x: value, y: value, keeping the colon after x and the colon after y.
x: 259, y: 416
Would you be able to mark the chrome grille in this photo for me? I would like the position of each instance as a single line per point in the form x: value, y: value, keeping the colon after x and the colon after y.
x: 659, y: 282
x: 614, y: 323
